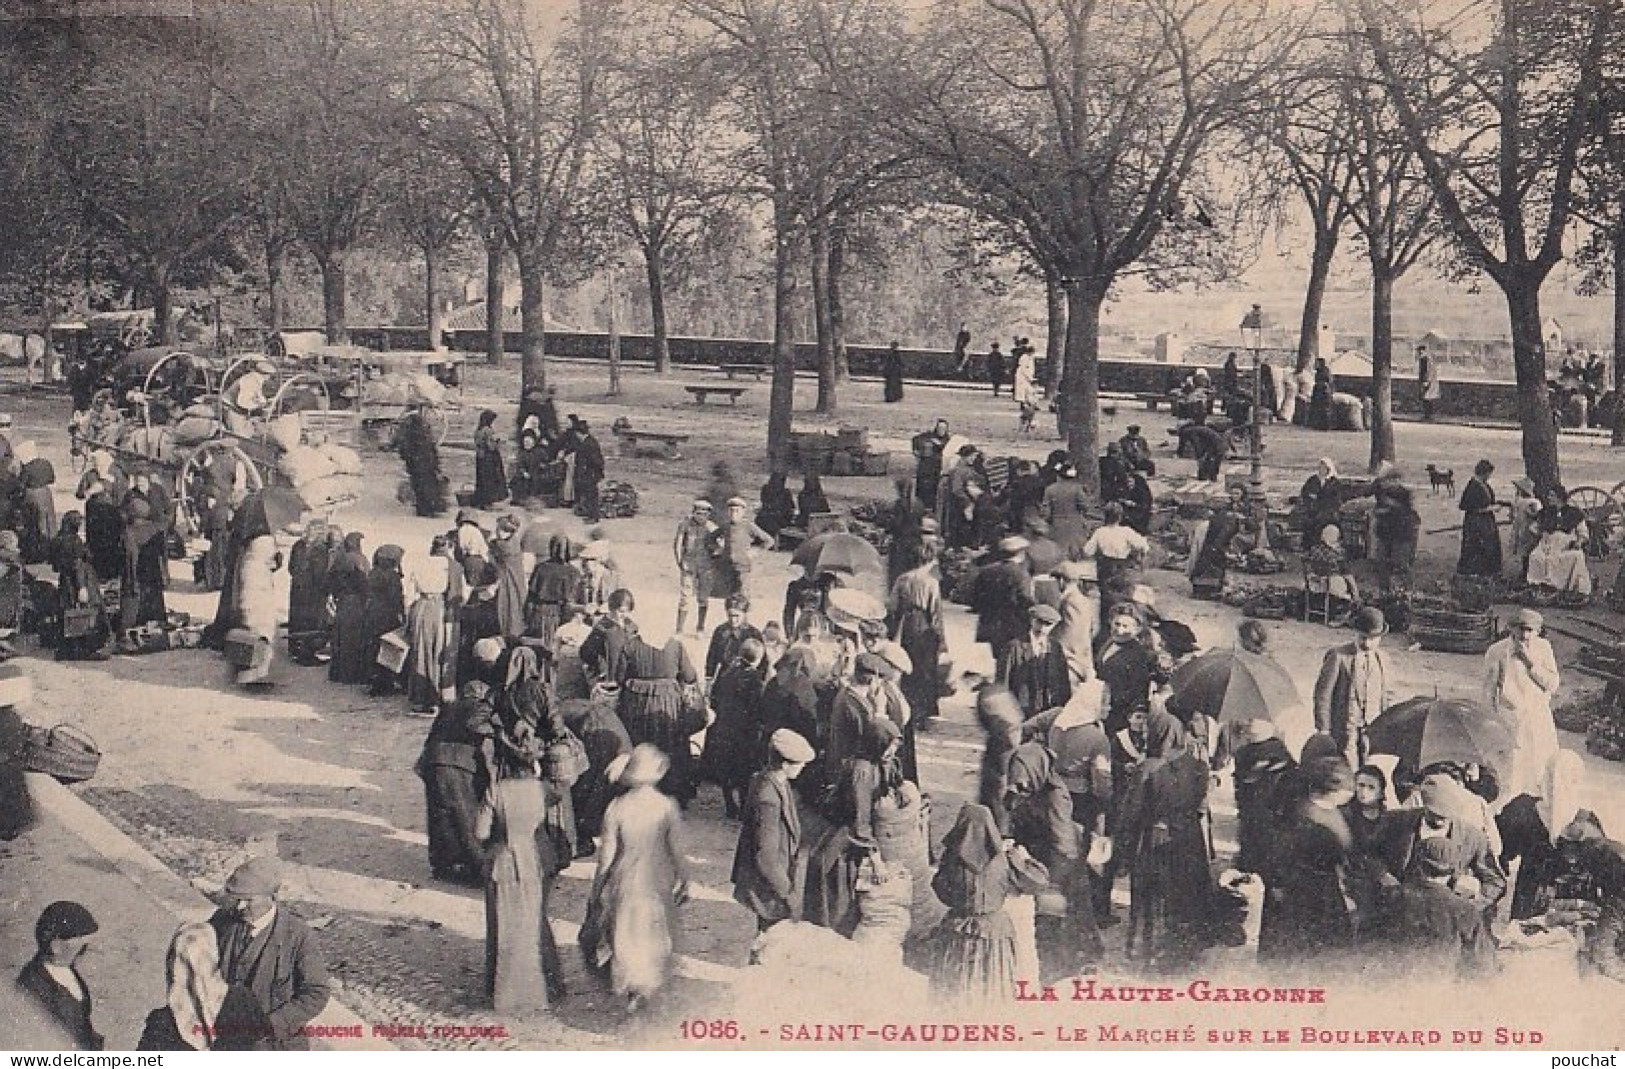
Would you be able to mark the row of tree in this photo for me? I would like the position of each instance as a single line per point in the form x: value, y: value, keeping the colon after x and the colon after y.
x: 1090, y: 140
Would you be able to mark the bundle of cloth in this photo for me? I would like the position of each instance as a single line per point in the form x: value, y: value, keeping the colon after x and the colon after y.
x: 397, y: 388
x: 322, y: 475
x: 837, y: 978
x: 197, y: 423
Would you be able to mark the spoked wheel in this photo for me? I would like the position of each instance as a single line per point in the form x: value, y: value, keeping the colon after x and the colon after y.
x: 301, y: 392
x: 1605, y: 520
x: 174, y: 382
x: 213, y: 465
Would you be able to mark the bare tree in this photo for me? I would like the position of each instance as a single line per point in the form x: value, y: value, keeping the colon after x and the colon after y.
x: 1088, y: 124
x: 515, y: 96
x: 431, y: 201
x: 1495, y: 98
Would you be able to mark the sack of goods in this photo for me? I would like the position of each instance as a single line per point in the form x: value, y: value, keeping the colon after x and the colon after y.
x: 617, y: 500
x: 197, y: 424
x: 402, y: 389
x: 322, y: 475
x: 154, y: 443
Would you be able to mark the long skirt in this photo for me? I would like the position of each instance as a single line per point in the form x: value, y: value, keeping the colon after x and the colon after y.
x: 1480, y: 546
x: 1556, y: 562
x: 490, y: 480
x: 453, y: 805
x: 651, y: 711
x: 515, y: 923
x: 350, y: 663
x: 831, y: 896
x: 973, y: 959
x: 542, y: 621
x: 426, y: 651
x: 921, y: 687
x: 1168, y: 901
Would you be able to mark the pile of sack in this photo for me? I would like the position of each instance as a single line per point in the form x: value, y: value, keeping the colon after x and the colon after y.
x: 198, y: 423
x: 322, y: 475
x: 403, y: 389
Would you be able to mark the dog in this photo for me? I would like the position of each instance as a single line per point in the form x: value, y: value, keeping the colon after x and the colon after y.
x: 1029, y: 417
x: 1442, y: 480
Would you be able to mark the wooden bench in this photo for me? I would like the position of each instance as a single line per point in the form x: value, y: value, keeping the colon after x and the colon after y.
x: 732, y: 393
x: 737, y: 370
x: 637, y: 442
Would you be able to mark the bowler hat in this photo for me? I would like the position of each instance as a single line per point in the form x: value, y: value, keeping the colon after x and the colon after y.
x: 255, y: 877
x: 1043, y: 614
x: 1370, y: 621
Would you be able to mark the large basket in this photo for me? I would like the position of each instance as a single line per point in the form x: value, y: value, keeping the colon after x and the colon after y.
x: 64, y: 751
x: 1440, y: 640
x: 392, y: 651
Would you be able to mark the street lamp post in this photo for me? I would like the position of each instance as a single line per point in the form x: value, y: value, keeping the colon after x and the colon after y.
x: 614, y: 328
x: 1252, y: 333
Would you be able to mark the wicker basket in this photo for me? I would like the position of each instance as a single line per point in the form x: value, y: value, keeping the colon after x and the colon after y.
x: 64, y: 752
x: 1441, y: 640
x: 392, y: 650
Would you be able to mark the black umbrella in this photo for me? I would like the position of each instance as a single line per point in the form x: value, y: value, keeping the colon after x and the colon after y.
x: 1233, y: 686
x: 1424, y: 731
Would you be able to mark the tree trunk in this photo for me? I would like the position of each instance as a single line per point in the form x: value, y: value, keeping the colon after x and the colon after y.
x: 1079, y: 401
x: 163, y: 330
x: 1382, y: 364
x: 822, y: 329
x: 431, y: 286
x: 655, y: 271
x: 1314, y: 297
x: 1540, y: 459
x: 837, y: 305
x: 614, y: 331
x: 1055, y: 343
x: 276, y: 266
x: 532, y: 325
x: 1618, y: 437
x: 495, y: 343
x: 781, y: 402
x: 334, y: 295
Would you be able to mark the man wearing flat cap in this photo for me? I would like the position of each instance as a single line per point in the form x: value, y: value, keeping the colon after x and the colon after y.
x: 52, y: 976
x: 693, y: 549
x: 765, y: 871
x: 1035, y: 667
x: 1001, y: 594
x: 860, y: 701
x: 1352, y: 689
x: 271, y: 952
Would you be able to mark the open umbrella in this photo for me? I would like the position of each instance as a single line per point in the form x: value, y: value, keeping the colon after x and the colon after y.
x: 1233, y: 686
x: 268, y: 511
x: 838, y: 551
x: 1424, y: 731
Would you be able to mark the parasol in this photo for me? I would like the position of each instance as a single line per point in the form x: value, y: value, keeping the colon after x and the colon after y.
x: 1424, y: 731
x: 1233, y: 686
x: 268, y: 511
x: 838, y: 551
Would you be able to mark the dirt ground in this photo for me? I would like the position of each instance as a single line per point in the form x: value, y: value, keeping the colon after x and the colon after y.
x: 201, y: 772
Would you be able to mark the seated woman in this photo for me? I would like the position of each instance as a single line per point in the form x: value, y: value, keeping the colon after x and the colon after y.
x: 1319, y: 501
x: 1327, y: 572
x: 529, y: 468
x: 811, y: 501
x: 1557, y: 564
x: 1210, y: 557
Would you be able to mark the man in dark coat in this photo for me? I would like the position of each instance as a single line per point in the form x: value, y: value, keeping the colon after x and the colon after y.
x: 1432, y: 928
x: 1405, y: 854
x: 1001, y: 594
x: 1351, y: 690
x: 1207, y: 446
x: 927, y: 447
x: 1127, y: 667
x: 451, y: 771
x: 764, y: 868
x: 588, y: 474
x: 271, y: 952
x: 1035, y: 668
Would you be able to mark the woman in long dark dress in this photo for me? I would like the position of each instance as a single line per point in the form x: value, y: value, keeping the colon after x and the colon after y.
x: 490, y: 477
x: 39, y: 507
x: 1261, y: 763
x: 385, y: 611
x: 831, y: 897
x: 971, y: 957
x: 77, y: 587
x: 1309, y: 909
x: 307, y: 594
x: 735, y: 742
x: 347, y: 585
x: 778, y: 509
x: 1320, y: 502
x: 651, y: 707
x: 1041, y: 821
x: 414, y: 441
x: 525, y: 712
x: 892, y: 369
x: 104, y: 530
x: 508, y: 557
x: 1320, y: 399
x: 1162, y: 843
x: 452, y: 772
x: 146, y: 558
x: 915, y: 620
x: 555, y: 584
x: 1210, y: 564
x: 1480, y: 540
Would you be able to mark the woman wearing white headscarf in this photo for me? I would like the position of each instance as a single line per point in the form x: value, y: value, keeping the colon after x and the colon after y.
x: 203, y: 1011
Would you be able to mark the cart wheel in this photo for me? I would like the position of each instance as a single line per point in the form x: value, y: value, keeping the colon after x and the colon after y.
x: 1604, y: 518
x: 138, y: 336
x: 192, y: 480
